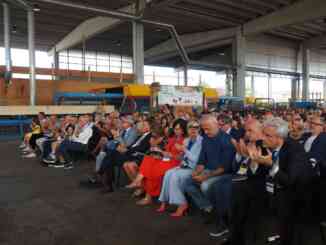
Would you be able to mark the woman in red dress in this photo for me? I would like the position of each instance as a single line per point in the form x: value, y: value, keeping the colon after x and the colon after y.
x: 152, y: 169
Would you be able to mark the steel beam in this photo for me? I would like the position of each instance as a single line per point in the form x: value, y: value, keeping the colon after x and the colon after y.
x: 191, y: 42
x: 88, y: 29
x: 223, y: 9
x: 241, y: 5
x: 298, y: 12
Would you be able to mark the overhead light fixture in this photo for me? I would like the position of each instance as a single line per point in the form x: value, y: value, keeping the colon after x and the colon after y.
x: 36, y: 8
x: 158, y: 30
x: 221, y: 54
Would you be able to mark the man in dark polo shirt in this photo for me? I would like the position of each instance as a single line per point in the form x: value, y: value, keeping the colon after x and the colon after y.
x: 215, y: 161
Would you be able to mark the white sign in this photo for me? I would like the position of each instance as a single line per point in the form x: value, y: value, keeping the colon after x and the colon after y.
x: 182, y: 96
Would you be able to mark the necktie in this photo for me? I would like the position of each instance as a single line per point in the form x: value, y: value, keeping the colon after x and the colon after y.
x: 124, y: 132
x: 275, y: 166
x: 274, y: 156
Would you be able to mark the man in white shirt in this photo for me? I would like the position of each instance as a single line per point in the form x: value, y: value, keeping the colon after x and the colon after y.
x: 78, y: 143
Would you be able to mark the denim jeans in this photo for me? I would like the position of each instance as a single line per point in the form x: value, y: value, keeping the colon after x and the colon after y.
x: 200, y: 192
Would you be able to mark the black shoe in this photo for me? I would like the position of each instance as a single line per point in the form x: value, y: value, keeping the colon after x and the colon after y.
x: 49, y: 160
x: 68, y: 166
x: 220, y: 231
x: 57, y: 165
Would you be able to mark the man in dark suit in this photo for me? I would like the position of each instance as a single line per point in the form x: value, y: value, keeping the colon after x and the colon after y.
x: 122, y: 154
x: 285, y: 159
x: 247, y: 187
x: 287, y: 162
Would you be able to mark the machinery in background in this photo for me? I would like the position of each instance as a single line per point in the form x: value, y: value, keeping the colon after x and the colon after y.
x: 236, y: 104
x: 303, y: 104
x: 263, y: 104
x: 124, y: 97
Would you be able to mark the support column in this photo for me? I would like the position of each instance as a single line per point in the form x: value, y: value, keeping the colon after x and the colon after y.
x: 7, y: 39
x: 84, y: 55
x: 138, y: 51
x: 252, y: 85
x: 305, y: 72
x: 31, y: 48
x: 324, y: 91
x: 56, y: 60
x: 56, y: 65
x: 269, y: 82
x: 239, y: 51
x: 294, y: 88
x: 228, y: 83
x: 185, y: 76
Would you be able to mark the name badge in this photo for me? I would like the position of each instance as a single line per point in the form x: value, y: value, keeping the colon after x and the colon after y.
x: 243, y: 170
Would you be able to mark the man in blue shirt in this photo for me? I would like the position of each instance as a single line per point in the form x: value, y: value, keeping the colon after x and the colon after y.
x: 215, y: 161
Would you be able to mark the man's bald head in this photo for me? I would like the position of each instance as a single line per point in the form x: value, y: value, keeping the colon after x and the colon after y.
x: 210, y: 125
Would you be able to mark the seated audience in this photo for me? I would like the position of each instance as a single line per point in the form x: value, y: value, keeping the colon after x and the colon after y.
x: 152, y: 169
x: 77, y: 143
x: 122, y: 154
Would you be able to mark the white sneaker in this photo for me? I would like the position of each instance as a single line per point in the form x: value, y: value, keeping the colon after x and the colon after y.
x: 26, y: 149
x: 30, y: 155
x: 22, y: 145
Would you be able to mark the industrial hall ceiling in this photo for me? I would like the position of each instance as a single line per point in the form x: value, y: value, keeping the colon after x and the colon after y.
x: 53, y: 22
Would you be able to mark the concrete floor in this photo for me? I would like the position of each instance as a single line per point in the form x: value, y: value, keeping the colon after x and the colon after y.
x: 45, y: 206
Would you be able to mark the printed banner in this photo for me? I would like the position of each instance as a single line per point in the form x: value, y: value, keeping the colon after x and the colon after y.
x: 181, y: 96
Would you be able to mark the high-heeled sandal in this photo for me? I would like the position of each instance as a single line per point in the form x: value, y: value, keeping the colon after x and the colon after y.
x: 180, y: 212
x: 162, y: 208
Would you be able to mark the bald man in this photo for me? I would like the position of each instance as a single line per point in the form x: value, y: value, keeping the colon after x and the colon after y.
x: 215, y: 161
x: 248, y: 188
